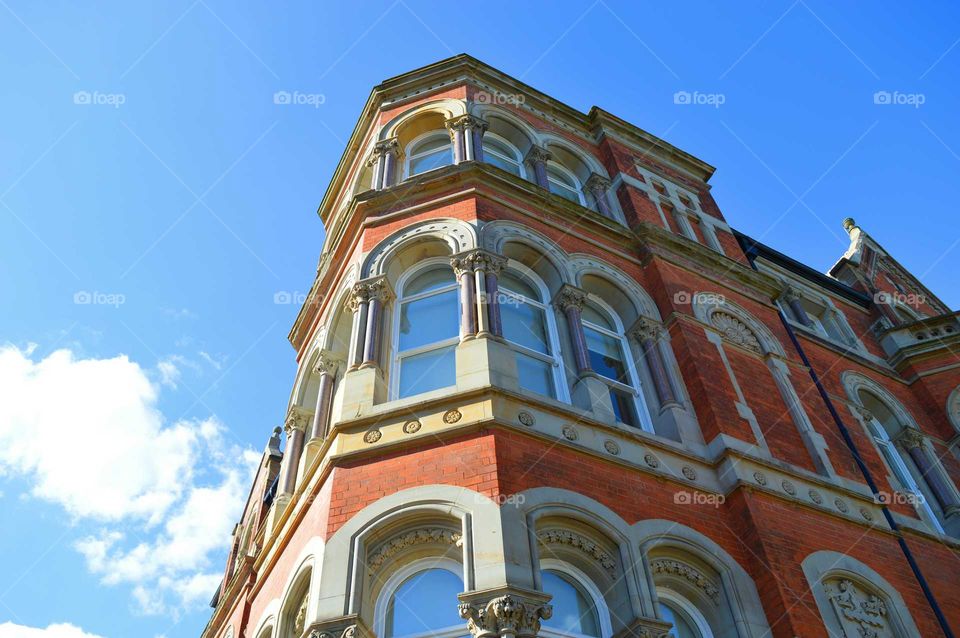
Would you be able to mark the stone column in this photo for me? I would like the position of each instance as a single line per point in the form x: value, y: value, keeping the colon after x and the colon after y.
x: 570, y: 300
x: 358, y: 304
x: 378, y: 294
x: 463, y: 268
x: 537, y: 159
x: 389, y: 150
x: 326, y: 367
x: 597, y: 187
x: 914, y: 442
x: 456, y: 139
x: 793, y: 296
x: 511, y: 614
x: 486, y: 269
x: 295, y: 426
x: 648, y: 334
x: 477, y: 131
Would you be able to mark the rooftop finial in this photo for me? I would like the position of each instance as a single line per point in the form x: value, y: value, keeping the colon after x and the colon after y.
x: 849, y: 224
x: 273, y: 445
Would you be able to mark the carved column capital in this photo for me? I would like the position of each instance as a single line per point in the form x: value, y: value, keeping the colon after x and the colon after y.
x: 597, y: 182
x: 297, y: 420
x: 461, y: 264
x: 389, y: 146
x: 510, y: 615
x: 644, y: 329
x: 790, y: 294
x: 487, y: 261
x: 343, y: 627
x: 911, y: 438
x: 538, y: 154
x: 643, y: 627
x: 327, y: 363
x: 570, y: 296
x: 865, y: 414
x: 465, y: 123
x: 367, y: 290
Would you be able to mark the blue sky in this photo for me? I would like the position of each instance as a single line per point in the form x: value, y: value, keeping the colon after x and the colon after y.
x: 157, y: 212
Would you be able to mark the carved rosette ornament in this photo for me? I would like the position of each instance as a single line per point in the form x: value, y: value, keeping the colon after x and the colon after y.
x: 508, y: 616
x: 735, y: 331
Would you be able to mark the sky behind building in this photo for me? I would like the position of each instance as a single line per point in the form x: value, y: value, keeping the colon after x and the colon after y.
x: 161, y: 170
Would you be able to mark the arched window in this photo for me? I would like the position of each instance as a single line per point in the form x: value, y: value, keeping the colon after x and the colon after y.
x: 686, y: 619
x: 530, y: 331
x: 500, y: 152
x: 608, y: 358
x: 427, y: 330
x: 578, y: 607
x: 884, y: 426
x: 564, y: 183
x: 421, y: 600
x: 429, y: 151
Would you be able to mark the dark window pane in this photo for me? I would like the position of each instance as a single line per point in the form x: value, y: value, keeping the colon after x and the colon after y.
x: 623, y: 407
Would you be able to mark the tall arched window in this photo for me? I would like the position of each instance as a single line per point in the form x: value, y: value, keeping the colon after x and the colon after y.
x: 609, y: 358
x: 420, y: 599
x: 884, y: 426
x: 578, y: 607
x: 427, y: 330
x: 564, y: 183
x: 529, y: 329
x: 429, y: 151
x: 686, y: 619
x: 500, y: 152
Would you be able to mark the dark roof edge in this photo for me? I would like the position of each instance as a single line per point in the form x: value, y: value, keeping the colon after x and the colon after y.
x: 753, y: 247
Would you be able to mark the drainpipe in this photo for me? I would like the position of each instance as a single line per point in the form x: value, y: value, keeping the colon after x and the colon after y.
x: 845, y: 433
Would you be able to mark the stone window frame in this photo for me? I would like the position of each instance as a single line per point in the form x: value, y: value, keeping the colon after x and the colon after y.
x: 708, y: 224
x: 398, y: 577
x: 687, y: 607
x: 589, y: 587
x: 409, y: 154
x: 518, y: 154
x: 298, y: 591
x: 823, y: 565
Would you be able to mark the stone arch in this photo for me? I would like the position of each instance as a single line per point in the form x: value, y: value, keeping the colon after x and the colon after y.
x: 457, y: 234
x: 686, y: 554
x: 506, y: 124
x: 295, y: 611
x: 839, y: 581
x: 566, y: 153
x: 571, y: 527
x: 267, y: 624
x: 953, y: 408
x: 414, y: 512
x: 587, y: 265
x: 446, y: 108
x: 495, y: 235
x: 854, y: 383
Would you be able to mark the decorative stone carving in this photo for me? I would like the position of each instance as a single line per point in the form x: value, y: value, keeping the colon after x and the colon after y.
x: 300, y: 618
x: 790, y: 293
x: 538, y: 154
x: 365, y: 291
x: 735, y: 331
x: 644, y: 329
x: 788, y: 487
x: 452, y: 416
x: 411, y: 426
x: 858, y: 611
x: 326, y: 363
x: 611, y: 447
x: 570, y: 433
x: 910, y: 438
x: 651, y: 460
x: 760, y: 477
x: 567, y: 537
x: 507, y: 616
x: 815, y: 497
x: 689, y: 473
x: 691, y: 574
x: 866, y: 514
x: 526, y: 418
x: 569, y: 296
x: 865, y: 414
x: 343, y: 627
x: 297, y: 419
x: 433, y: 535
x: 841, y: 505
x: 372, y: 436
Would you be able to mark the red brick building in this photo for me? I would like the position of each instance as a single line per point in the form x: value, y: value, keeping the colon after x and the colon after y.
x: 545, y: 389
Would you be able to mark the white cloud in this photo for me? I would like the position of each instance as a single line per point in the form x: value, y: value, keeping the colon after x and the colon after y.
x: 169, y: 372
x: 88, y: 434
x: 64, y: 630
